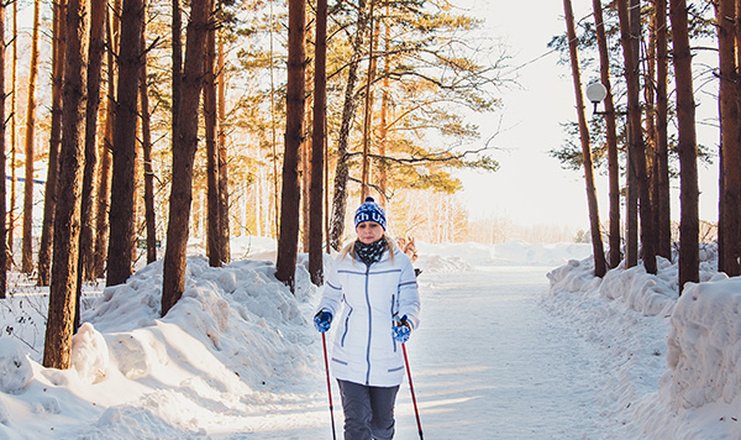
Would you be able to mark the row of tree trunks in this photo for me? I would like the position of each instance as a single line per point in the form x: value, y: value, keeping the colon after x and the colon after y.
x: 318, y: 134
x: 295, y: 100
x: 689, y: 255
x: 611, y: 128
x: 339, y: 199
x: 62, y: 306
x: 600, y: 266
x: 183, y: 154
x: 59, y: 29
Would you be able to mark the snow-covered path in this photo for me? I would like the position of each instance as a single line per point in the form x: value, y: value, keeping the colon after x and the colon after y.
x: 491, y: 363
x: 487, y: 362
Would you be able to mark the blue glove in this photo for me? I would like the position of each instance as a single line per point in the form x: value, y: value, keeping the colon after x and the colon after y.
x: 401, y: 330
x: 322, y: 321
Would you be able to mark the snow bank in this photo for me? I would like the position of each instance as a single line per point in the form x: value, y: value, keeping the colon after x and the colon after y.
x: 705, y: 344
x: 676, y: 361
x: 236, y: 336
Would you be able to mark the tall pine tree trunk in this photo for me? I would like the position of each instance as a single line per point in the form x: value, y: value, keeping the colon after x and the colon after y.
x: 728, y: 243
x: 295, y: 88
x: 689, y: 254
x: 339, y: 198
x: 121, y: 217
x: 213, y: 234
x: 223, y: 170
x: 27, y: 262
x: 59, y: 328
x: 102, y: 227
x: 600, y: 265
x: 368, y: 113
x: 149, y: 213
x: 183, y: 154
x: 13, y: 144
x: 177, y: 63
x: 630, y: 31
x: 3, y: 230
x: 611, y: 134
x: 55, y: 137
x: 662, y: 196
x: 317, y: 150
x: 95, y: 61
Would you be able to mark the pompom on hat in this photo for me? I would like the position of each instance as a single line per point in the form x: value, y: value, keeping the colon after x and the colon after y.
x: 370, y: 211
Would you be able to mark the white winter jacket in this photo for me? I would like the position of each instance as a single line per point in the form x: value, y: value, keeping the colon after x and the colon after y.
x: 365, y: 351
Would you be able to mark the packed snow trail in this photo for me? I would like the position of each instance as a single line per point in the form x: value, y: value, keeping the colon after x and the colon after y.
x: 488, y: 362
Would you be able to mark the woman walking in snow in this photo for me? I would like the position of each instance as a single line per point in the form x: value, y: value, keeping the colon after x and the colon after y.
x: 376, y: 283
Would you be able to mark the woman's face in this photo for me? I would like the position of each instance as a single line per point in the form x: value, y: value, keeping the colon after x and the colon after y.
x: 368, y: 232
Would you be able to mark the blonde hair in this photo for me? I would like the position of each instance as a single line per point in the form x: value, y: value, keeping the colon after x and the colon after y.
x: 349, y: 248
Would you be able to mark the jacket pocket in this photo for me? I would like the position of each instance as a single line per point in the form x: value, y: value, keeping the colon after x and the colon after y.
x: 392, y: 370
x: 347, y: 322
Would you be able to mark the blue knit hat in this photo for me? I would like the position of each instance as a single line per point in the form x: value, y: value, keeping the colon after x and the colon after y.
x: 370, y: 211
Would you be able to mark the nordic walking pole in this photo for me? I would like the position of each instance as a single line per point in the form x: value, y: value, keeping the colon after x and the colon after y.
x: 329, y: 386
x: 411, y: 388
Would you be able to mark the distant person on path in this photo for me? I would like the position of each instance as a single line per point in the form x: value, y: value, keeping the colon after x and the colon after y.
x: 375, y: 282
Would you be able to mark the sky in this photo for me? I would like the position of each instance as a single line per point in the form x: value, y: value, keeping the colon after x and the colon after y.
x: 531, y: 187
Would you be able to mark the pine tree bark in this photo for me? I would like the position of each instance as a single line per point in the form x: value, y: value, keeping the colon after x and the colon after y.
x: 121, y: 217
x: 149, y: 212
x: 223, y: 170
x: 662, y: 197
x: 730, y: 189
x: 317, y: 151
x: 213, y: 231
x: 600, y: 265
x: 611, y: 134
x: 295, y: 88
x: 689, y: 255
x: 384, y: 116
x: 339, y: 198
x: 50, y: 195
x: 3, y: 228
x: 95, y: 61
x: 183, y: 154
x: 630, y: 31
x: 27, y: 257
x: 62, y: 307
x: 177, y: 63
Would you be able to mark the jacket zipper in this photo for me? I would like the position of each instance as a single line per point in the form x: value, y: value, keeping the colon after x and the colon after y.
x: 370, y: 325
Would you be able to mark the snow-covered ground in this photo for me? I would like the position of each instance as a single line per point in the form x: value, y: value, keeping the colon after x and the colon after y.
x: 501, y: 353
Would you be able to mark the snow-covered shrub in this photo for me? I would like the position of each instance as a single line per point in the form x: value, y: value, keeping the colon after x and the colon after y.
x: 705, y: 344
x: 15, y: 367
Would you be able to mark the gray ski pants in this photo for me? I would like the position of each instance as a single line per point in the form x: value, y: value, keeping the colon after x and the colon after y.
x: 369, y: 411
